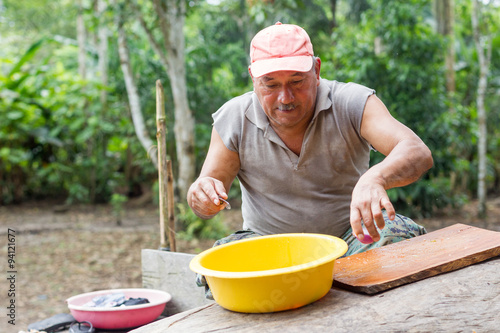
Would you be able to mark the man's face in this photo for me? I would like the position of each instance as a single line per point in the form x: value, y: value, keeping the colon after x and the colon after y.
x: 288, y: 98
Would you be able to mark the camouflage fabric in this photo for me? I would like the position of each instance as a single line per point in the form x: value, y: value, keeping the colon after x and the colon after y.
x: 394, y: 231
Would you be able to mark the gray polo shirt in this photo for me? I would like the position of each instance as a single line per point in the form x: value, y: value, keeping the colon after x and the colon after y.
x: 283, y: 192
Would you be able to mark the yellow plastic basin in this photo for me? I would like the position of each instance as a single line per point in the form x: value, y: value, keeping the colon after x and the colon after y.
x: 270, y: 273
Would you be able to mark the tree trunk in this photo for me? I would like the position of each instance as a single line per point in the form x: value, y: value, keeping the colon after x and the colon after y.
x: 84, y: 71
x: 243, y: 21
x: 81, y: 38
x: 484, y: 60
x: 333, y: 7
x: 171, y: 15
x: 1, y: 177
x: 445, y: 23
x: 184, y: 121
x: 102, y: 50
x: 133, y: 95
x: 450, y: 54
x: 445, y: 17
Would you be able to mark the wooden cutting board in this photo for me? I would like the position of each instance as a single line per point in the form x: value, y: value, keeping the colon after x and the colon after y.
x: 414, y: 259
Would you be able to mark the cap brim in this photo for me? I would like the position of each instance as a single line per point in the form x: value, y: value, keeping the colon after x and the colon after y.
x: 297, y: 64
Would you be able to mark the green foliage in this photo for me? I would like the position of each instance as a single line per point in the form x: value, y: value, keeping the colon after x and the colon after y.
x: 467, y: 79
x: 54, y: 142
x: 214, y: 73
x: 58, y: 140
x: 117, y: 203
x: 194, y: 227
x: 395, y: 51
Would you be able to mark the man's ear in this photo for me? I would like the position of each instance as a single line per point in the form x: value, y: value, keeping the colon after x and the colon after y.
x: 317, y: 67
x: 250, y: 72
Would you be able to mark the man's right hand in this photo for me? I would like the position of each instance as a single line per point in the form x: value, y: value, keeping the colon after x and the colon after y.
x: 217, y: 174
x: 203, y: 197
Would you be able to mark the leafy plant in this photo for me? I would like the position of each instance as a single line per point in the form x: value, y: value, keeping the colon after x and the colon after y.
x: 117, y: 203
x: 54, y: 142
x: 194, y: 227
x: 57, y: 140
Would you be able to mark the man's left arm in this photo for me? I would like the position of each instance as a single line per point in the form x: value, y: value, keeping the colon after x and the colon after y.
x: 407, y: 158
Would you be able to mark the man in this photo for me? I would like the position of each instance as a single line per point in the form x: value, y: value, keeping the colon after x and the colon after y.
x: 300, y: 146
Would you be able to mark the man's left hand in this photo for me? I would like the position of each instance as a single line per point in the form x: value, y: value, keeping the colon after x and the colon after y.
x: 368, y: 199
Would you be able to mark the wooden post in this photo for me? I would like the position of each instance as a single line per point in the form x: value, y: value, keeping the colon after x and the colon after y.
x: 171, y: 207
x: 161, y: 135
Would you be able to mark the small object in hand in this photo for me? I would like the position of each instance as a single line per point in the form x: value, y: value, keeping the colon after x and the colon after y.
x: 366, y: 238
x: 228, y: 206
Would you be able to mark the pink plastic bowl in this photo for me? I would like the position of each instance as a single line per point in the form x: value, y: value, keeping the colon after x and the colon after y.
x: 119, y: 317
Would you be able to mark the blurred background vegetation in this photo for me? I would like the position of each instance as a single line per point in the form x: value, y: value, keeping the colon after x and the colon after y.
x: 72, y: 128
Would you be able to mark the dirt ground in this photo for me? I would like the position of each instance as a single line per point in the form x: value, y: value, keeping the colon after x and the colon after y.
x: 59, y: 254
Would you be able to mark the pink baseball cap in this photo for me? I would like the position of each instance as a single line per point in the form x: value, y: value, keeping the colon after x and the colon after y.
x: 281, y: 47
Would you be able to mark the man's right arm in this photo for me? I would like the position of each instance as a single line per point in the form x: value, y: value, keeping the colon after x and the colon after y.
x: 217, y: 174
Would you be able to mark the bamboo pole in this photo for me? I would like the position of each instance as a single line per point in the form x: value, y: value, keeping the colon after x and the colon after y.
x: 164, y: 175
x: 171, y: 207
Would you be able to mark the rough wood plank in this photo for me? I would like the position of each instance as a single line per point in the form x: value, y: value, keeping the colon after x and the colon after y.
x: 465, y: 300
x: 169, y: 271
x: 393, y: 265
x: 161, y: 135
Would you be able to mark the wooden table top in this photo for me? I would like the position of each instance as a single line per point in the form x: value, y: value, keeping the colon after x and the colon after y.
x: 466, y: 300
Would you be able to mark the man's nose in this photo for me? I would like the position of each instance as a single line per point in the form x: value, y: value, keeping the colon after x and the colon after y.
x: 286, y: 95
